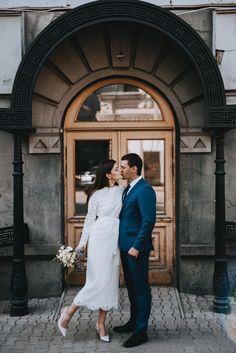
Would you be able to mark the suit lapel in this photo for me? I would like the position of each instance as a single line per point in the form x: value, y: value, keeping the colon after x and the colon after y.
x: 133, y: 189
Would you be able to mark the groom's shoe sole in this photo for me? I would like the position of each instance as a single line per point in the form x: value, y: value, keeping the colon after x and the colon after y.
x: 135, y: 340
x: 128, y: 327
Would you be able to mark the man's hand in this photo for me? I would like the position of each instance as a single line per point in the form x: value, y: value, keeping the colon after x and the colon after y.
x: 133, y: 252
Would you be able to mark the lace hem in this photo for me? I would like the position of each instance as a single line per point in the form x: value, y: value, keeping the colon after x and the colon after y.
x: 97, y: 307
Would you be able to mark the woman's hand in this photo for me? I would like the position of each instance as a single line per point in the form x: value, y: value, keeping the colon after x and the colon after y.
x: 79, y: 249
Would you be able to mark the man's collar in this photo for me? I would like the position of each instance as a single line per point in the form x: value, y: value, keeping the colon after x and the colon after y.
x: 135, y: 181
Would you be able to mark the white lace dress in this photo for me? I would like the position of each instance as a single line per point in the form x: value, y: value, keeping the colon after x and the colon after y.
x: 101, y: 230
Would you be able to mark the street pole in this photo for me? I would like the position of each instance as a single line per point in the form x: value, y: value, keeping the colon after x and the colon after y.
x: 19, y: 285
x: 221, y: 303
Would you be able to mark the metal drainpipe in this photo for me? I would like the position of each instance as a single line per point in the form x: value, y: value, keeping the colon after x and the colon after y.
x: 19, y: 285
x: 221, y: 303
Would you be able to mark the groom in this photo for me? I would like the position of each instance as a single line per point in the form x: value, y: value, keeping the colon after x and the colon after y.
x: 137, y: 219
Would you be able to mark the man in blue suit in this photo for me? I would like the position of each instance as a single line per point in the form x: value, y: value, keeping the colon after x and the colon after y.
x: 137, y: 219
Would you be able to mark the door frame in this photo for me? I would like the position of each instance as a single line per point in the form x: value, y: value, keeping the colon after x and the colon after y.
x: 71, y: 126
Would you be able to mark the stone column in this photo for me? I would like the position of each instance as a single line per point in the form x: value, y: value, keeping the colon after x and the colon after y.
x: 221, y: 302
x: 19, y: 286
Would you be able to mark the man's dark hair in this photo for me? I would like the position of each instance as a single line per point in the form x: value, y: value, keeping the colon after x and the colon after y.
x: 133, y: 161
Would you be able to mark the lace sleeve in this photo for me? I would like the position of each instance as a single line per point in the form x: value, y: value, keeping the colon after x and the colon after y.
x: 89, y: 220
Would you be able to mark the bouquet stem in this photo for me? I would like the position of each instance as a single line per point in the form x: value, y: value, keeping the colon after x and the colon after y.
x: 68, y: 272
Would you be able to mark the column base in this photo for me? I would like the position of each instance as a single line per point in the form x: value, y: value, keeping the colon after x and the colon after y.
x: 19, y: 307
x: 221, y: 305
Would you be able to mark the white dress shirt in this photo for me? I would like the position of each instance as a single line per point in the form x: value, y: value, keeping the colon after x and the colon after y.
x: 132, y: 183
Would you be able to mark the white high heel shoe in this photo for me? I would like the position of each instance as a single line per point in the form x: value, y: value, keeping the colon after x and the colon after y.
x: 62, y: 329
x: 102, y: 338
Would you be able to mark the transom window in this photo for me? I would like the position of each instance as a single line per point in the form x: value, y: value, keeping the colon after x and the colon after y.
x: 119, y: 102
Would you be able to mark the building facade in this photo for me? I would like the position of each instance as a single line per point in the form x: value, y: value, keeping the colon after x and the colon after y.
x: 81, y: 81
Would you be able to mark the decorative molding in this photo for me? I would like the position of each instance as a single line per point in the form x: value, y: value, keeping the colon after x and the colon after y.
x: 195, y: 143
x: 45, y: 141
x: 224, y: 116
x: 230, y: 231
x: 14, y: 119
x: 7, y: 235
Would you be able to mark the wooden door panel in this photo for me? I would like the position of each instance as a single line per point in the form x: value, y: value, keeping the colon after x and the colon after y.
x: 75, y: 209
x: 155, y: 148
x: 162, y: 257
x: 75, y: 228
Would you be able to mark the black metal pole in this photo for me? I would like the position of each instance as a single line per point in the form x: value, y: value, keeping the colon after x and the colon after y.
x: 19, y: 285
x: 221, y: 302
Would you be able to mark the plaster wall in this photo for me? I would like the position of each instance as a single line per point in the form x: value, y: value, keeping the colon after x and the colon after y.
x: 44, y: 278
x: 6, y: 180
x: 42, y: 211
x: 230, y: 169
x: 10, y: 53
x: 196, y: 226
x: 197, y: 193
x: 201, y: 21
x: 224, y: 47
x: 197, y: 210
x: 42, y: 197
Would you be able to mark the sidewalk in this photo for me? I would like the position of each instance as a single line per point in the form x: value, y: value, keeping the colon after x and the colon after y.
x: 179, y: 323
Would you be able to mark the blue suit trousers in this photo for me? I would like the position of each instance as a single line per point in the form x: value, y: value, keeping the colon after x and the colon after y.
x: 139, y: 292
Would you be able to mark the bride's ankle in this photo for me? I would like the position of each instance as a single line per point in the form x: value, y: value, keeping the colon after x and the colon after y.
x: 102, y: 328
x: 66, y: 316
x: 68, y: 313
x: 101, y: 324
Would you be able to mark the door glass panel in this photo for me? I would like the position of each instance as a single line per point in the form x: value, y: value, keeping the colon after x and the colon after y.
x: 119, y: 102
x: 152, y: 153
x: 88, y: 154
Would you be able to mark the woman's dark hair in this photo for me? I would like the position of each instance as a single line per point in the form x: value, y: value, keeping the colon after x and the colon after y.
x: 101, y: 180
x: 134, y: 161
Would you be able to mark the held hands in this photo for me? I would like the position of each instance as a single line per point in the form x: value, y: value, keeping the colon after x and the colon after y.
x: 133, y: 252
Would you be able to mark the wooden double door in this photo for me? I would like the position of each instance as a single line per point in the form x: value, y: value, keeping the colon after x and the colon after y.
x: 84, y: 148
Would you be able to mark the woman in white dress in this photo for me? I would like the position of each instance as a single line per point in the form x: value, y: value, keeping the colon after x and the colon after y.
x: 100, y: 230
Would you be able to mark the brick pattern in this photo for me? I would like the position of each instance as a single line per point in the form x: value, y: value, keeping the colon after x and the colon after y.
x: 176, y: 326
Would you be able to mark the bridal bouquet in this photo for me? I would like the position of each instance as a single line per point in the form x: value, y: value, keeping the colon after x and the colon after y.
x: 68, y: 256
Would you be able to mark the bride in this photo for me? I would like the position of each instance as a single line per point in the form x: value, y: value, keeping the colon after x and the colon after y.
x: 100, y: 230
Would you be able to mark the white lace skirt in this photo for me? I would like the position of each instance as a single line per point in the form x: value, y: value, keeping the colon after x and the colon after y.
x: 102, y: 275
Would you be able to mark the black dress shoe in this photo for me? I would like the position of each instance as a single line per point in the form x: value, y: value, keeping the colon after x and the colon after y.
x: 135, y: 340
x: 128, y: 327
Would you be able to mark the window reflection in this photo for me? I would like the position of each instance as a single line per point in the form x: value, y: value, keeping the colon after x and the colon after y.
x: 88, y: 154
x: 119, y: 103
x: 89, y: 108
x: 152, y: 154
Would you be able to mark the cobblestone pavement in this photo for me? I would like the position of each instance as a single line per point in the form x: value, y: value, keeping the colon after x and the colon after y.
x: 179, y: 323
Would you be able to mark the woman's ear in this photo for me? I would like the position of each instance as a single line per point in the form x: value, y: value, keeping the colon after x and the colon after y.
x: 108, y: 176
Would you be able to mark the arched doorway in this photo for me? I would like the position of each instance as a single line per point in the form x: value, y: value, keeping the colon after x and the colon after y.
x: 108, y: 119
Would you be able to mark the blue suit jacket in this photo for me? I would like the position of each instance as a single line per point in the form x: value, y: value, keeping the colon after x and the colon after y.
x: 137, y: 218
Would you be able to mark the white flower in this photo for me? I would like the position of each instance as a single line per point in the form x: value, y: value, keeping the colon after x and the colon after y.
x: 67, y: 256
x: 69, y: 248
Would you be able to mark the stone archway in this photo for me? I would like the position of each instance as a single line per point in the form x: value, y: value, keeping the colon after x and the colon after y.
x: 155, y: 18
